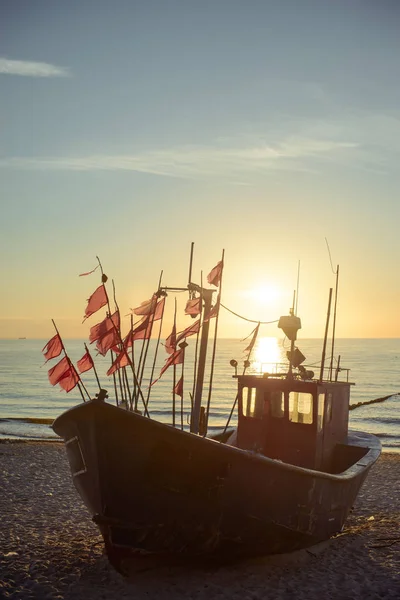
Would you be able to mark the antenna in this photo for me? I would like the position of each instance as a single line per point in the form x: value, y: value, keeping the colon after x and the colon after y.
x: 330, y: 258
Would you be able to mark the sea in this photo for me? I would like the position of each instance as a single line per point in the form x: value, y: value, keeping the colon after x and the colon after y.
x: 28, y: 403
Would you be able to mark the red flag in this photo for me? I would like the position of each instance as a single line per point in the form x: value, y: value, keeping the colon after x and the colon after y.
x: 193, y: 307
x: 143, y: 330
x: 191, y: 330
x: 147, y: 307
x: 140, y: 333
x: 122, y: 360
x: 170, y: 342
x: 178, y: 389
x: 53, y: 348
x: 85, y: 363
x: 214, y: 310
x: 101, y: 329
x: 57, y: 372
x: 253, y: 341
x: 175, y: 359
x: 159, y: 310
x: 89, y: 272
x: 128, y: 340
x: 214, y: 276
x: 69, y: 380
x: 108, y: 342
x: 96, y: 301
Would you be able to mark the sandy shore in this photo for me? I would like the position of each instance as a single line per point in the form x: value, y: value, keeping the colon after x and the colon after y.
x: 50, y: 549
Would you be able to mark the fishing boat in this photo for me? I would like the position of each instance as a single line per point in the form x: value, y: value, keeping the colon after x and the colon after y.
x: 284, y: 479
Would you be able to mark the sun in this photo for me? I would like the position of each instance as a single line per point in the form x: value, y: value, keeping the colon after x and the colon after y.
x: 266, y: 293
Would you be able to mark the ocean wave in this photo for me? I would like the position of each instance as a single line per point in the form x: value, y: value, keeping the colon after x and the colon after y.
x: 7, y: 435
x: 386, y: 435
x: 387, y: 420
x: 33, y: 420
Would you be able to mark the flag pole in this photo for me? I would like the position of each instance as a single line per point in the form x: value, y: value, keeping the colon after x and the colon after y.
x: 246, y: 364
x: 195, y: 419
x: 191, y: 263
x: 174, y: 375
x: 214, y: 348
x: 134, y: 374
x: 103, y: 281
x: 146, y: 340
x: 196, y: 350
x: 94, y: 367
x: 122, y: 384
x: 182, y: 379
x: 133, y: 364
x: 155, y: 356
x: 151, y: 329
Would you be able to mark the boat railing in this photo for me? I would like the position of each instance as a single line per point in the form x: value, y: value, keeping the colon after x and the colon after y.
x: 311, y: 372
x: 338, y: 374
x: 271, y: 368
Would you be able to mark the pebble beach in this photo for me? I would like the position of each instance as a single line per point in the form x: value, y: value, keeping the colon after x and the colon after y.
x: 50, y: 549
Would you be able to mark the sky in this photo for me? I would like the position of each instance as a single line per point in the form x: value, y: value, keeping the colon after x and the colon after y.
x: 269, y: 130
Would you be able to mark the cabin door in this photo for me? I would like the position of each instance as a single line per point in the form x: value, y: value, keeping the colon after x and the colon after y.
x: 328, y: 440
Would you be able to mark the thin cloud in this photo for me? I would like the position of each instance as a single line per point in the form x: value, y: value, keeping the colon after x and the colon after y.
x: 29, y: 68
x: 195, y: 161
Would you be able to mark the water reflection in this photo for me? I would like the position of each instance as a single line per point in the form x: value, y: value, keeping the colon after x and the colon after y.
x: 268, y: 353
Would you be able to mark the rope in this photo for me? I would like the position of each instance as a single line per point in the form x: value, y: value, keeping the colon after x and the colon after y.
x: 353, y: 406
x: 249, y: 320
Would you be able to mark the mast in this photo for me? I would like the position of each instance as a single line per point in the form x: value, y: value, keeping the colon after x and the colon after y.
x: 194, y: 421
x: 214, y: 351
x: 206, y: 295
x: 321, y: 375
x: 334, y: 323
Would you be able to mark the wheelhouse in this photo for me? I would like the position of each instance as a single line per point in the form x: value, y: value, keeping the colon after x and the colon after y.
x: 292, y: 420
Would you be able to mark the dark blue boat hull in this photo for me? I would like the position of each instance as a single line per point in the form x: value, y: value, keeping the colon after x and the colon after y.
x: 157, y: 489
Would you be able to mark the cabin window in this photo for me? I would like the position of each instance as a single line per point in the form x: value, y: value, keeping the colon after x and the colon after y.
x: 321, y: 405
x: 300, y: 407
x: 258, y: 403
x: 253, y: 401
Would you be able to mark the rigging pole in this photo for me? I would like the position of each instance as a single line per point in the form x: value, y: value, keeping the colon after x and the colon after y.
x: 334, y: 324
x: 214, y: 350
x: 195, y: 420
x: 321, y: 375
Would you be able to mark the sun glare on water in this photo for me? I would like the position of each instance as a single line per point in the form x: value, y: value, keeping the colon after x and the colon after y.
x: 267, y: 354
